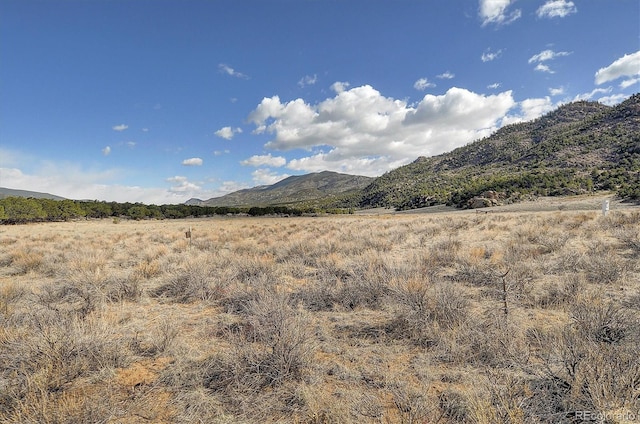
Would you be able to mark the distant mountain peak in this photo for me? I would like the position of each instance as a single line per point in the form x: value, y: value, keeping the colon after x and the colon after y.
x: 295, y: 189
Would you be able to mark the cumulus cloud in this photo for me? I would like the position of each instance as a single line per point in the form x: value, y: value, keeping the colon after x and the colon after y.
x: 488, y: 55
x: 307, y: 80
x: 192, y: 162
x: 227, y: 132
x: 267, y: 177
x: 495, y: 12
x: 182, y: 184
x: 422, y: 84
x: 556, y: 9
x: 531, y: 109
x: 226, y: 69
x: 361, y: 131
x: 340, y: 86
x: 626, y: 66
x: 106, y: 151
x: 120, y: 127
x: 612, y: 100
x: 264, y: 160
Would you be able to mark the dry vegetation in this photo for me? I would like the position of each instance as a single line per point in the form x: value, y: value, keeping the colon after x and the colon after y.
x: 478, y: 318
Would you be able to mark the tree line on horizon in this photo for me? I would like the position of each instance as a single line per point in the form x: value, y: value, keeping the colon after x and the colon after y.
x: 20, y: 210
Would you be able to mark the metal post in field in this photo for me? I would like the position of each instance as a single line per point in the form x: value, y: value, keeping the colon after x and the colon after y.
x: 188, y: 235
x: 605, y: 207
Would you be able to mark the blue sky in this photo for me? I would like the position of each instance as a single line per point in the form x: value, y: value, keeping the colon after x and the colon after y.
x: 158, y: 101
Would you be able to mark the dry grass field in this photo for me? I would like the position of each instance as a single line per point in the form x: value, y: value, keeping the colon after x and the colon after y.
x: 505, y: 317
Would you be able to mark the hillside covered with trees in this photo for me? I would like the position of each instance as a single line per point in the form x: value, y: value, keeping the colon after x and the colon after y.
x: 579, y: 148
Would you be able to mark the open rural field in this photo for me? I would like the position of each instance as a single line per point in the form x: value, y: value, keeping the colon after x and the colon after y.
x: 504, y: 317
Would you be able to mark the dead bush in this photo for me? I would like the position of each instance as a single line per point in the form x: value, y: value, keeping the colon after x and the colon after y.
x: 196, y: 280
x: 271, y: 347
x: 40, y: 361
x: 424, y: 309
x: 603, y: 266
x: 27, y: 259
x: 591, y: 363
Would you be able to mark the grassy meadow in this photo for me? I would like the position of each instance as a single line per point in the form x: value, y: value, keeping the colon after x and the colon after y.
x: 504, y: 317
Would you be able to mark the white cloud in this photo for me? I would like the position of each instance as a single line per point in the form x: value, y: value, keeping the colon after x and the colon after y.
x: 446, y: 75
x: 626, y: 66
x: 488, y: 55
x: 541, y: 67
x: 422, y: 84
x: 70, y: 181
x: 192, y: 162
x: 267, y: 177
x: 592, y: 94
x: 221, y: 152
x: 226, y: 69
x: 546, y: 55
x: 131, y: 144
x: 361, y: 131
x: 340, y: 86
x: 227, y: 187
x: 612, y: 100
x: 628, y: 83
x: 227, y: 132
x: 182, y: 185
x: 308, y: 80
x: 556, y: 9
x: 495, y: 12
x: 556, y: 91
x: 264, y: 160
x: 106, y: 151
x: 494, y: 86
x: 74, y: 182
x: 531, y: 109
x: 120, y: 127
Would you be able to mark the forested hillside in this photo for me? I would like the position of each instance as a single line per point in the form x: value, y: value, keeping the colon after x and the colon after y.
x: 579, y: 148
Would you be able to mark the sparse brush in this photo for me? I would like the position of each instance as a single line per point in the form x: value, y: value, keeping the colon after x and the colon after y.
x: 602, y: 265
x: 425, y: 309
x: 630, y: 238
x: 196, y: 280
x: 412, y: 405
x: 26, y: 260
x: 592, y: 362
x: 323, y: 319
x: 53, y: 351
x: 10, y: 294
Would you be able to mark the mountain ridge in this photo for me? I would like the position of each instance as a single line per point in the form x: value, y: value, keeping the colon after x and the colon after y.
x: 308, y: 188
x: 10, y: 192
x: 576, y: 148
